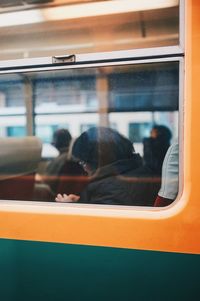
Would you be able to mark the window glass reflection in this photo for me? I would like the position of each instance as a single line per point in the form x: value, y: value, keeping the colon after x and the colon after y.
x: 13, y: 103
x: 100, y: 127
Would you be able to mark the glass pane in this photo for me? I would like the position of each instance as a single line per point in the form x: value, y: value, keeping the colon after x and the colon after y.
x: 13, y: 100
x: 105, y: 130
x: 64, y: 27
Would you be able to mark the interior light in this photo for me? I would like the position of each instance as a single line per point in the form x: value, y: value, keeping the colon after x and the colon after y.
x: 104, y: 8
x: 90, y: 9
x: 21, y: 18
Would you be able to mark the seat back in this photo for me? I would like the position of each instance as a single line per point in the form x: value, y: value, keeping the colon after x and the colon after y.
x: 19, y: 158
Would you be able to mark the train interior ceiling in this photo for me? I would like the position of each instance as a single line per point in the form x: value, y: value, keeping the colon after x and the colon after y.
x: 54, y: 34
x: 130, y: 98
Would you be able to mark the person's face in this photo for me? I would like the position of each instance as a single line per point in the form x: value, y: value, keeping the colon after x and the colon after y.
x: 154, y: 133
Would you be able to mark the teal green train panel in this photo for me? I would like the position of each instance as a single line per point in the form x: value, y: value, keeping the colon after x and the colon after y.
x: 37, y: 271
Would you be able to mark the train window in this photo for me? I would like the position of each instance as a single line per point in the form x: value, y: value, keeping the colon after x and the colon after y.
x: 137, y: 131
x: 57, y: 27
x: 14, y: 99
x: 94, y: 118
x: 45, y: 132
x: 16, y: 131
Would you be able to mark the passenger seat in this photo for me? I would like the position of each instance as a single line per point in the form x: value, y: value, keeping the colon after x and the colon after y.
x: 19, y: 158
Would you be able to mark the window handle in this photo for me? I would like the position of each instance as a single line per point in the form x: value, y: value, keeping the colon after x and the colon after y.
x: 59, y: 59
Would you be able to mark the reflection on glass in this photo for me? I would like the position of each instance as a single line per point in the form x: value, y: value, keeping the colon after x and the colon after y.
x: 139, y: 101
x: 87, y: 26
x: 13, y: 105
x: 128, y: 97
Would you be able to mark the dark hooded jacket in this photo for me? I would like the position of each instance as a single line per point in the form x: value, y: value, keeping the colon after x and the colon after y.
x: 124, y: 182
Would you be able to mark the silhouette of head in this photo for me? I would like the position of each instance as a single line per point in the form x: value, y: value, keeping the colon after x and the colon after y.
x: 161, y: 132
x: 61, y: 139
x: 101, y: 146
x: 156, y: 146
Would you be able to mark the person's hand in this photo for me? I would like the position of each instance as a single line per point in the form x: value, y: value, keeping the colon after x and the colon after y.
x: 70, y: 198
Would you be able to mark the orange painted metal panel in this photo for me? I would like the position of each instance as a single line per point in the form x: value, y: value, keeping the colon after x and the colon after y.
x: 174, y: 229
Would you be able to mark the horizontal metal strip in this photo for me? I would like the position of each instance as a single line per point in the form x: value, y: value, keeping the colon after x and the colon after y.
x: 135, y: 54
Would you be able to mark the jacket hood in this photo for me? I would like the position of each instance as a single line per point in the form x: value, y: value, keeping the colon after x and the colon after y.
x: 118, y: 167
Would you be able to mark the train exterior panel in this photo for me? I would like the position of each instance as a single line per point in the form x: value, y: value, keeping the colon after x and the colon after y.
x: 81, y: 252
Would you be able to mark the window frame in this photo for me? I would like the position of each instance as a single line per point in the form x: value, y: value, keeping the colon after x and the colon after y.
x: 101, y: 59
x: 104, y: 210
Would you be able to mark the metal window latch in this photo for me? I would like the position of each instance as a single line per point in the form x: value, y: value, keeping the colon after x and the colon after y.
x: 59, y: 59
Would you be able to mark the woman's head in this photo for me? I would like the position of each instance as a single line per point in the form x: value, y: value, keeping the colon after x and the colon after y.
x: 100, y: 146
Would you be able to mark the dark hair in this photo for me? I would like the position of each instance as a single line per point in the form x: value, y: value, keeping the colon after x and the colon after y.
x: 101, y: 146
x: 163, y: 132
x: 61, y: 139
x: 155, y: 148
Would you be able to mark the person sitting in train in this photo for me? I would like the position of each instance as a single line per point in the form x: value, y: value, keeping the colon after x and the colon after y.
x: 115, y: 170
x: 170, y: 171
x: 155, y: 148
x: 61, y: 165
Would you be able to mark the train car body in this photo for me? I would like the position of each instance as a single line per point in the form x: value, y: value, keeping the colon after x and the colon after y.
x: 84, y: 252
